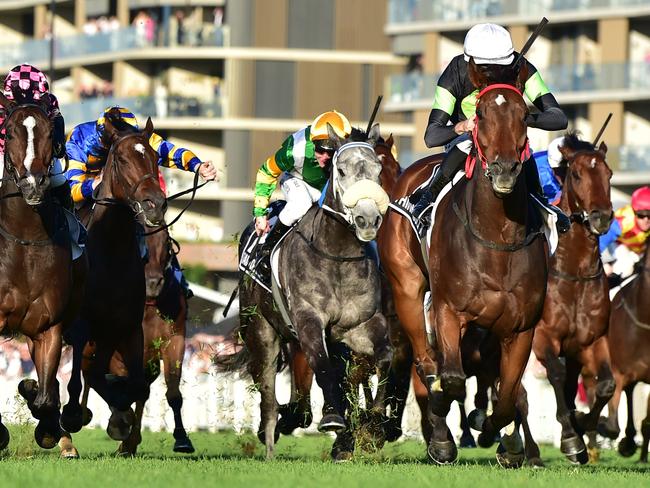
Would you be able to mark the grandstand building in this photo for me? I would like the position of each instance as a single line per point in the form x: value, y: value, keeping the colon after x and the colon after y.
x: 229, y: 79
x: 594, y: 55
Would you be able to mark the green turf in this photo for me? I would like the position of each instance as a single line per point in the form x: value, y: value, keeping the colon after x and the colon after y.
x: 228, y: 460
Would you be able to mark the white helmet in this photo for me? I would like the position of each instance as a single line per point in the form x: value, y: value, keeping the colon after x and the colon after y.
x: 488, y: 44
x: 554, y: 154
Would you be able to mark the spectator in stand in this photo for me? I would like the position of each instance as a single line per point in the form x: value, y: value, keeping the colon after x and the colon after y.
x: 218, y: 26
x: 179, y: 15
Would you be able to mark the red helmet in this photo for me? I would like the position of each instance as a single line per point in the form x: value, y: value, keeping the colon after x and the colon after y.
x: 641, y: 199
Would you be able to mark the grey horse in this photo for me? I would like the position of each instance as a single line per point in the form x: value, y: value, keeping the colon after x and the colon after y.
x: 332, y: 293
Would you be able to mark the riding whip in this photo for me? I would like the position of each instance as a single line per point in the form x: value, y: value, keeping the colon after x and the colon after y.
x: 374, y: 113
x: 602, y: 129
x: 538, y: 30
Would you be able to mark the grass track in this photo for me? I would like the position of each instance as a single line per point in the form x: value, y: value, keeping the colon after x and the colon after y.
x: 228, y: 460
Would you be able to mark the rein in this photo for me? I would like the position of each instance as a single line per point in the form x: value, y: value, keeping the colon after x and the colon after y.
x: 630, y: 313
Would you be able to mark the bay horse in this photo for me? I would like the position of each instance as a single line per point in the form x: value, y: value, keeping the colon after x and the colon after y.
x: 576, y: 310
x: 108, y: 339
x: 163, y: 325
x: 486, y: 266
x: 628, y: 338
x: 333, y: 294
x: 40, y: 284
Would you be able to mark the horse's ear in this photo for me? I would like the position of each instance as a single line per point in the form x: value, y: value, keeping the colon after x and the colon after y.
x: 603, y: 147
x: 334, y: 137
x: 522, y: 76
x: 374, y: 135
x: 478, y: 79
x: 148, y: 128
x: 390, y: 141
x: 6, y: 103
x: 568, y: 153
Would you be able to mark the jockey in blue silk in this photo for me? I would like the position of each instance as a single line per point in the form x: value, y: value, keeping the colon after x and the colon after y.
x: 546, y: 161
x: 88, y: 152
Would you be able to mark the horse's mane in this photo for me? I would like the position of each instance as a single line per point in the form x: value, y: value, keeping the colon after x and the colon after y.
x: 359, y: 135
x: 572, y: 141
x: 122, y: 126
x: 496, y: 73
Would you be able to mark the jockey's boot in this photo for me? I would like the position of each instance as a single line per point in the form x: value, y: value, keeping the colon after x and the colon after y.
x: 264, y: 253
x: 62, y: 195
x: 535, y: 188
x: 452, y: 163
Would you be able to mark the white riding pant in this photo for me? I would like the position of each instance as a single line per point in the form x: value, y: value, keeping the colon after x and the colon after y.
x: 299, y: 196
x: 625, y: 261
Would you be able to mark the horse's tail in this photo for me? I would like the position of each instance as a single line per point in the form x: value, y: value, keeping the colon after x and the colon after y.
x: 231, y: 363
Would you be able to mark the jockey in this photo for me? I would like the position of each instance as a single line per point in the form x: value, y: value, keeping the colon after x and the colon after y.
x: 490, y: 46
x: 88, y: 153
x: 629, y: 231
x: 26, y: 84
x: 304, y: 162
x: 547, y: 161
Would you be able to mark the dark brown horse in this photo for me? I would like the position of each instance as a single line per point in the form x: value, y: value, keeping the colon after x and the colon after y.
x: 576, y: 310
x: 39, y: 282
x: 165, y: 315
x: 629, y: 342
x: 486, y: 267
x: 109, y: 332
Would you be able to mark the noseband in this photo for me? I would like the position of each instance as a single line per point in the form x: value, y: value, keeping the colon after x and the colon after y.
x: 477, y: 152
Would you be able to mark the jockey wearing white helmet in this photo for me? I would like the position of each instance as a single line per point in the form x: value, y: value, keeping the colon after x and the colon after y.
x: 490, y: 47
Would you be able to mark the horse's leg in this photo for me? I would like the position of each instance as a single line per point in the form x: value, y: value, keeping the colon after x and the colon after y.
x: 68, y: 451
x: 481, y: 401
x: 172, y: 357
x: 514, y: 355
x: 46, y: 353
x: 422, y: 398
x: 608, y: 426
x: 129, y: 446
x: 645, y: 432
x: 297, y: 413
x: 605, y: 385
x: 533, y: 457
x: 72, y: 414
x: 264, y: 346
x: 312, y: 342
x: 448, y: 336
x: 466, y: 438
x: 399, y: 378
x: 627, y: 446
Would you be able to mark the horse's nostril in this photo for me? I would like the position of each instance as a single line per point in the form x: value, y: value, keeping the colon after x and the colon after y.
x: 360, y: 221
x: 378, y: 221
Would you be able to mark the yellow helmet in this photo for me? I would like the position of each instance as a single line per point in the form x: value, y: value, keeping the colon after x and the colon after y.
x: 338, y: 121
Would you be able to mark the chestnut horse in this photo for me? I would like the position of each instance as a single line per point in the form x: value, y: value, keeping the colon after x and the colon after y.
x: 165, y: 314
x: 486, y: 266
x: 108, y: 336
x: 39, y: 282
x: 629, y: 341
x: 576, y: 309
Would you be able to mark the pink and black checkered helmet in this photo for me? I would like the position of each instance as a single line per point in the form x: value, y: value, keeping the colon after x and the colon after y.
x: 25, y: 83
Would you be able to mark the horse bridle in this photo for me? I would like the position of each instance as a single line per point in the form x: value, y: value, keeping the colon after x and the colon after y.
x: 129, y: 192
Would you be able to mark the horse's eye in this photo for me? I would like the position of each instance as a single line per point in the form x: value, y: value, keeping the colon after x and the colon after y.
x: 575, y: 174
x: 479, y: 114
x: 341, y: 173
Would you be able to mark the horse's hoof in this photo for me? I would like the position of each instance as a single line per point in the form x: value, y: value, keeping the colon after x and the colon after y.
x: 70, y: 453
x: 476, y: 418
x: 486, y: 439
x: 535, y: 462
x: 510, y: 460
x: 45, y: 437
x: 71, y: 419
x: 442, y: 452
x: 593, y: 454
x: 574, y: 449
x: 4, y: 437
x: 331, y: 422
x: 184, y: 446
x: 124, y: 452
x: 627, y: 447
x: 261, y: 435
x: 467, y: 441
x: 292, y: 418
x: 28, y: 389
x: 119, y: 425
x: 342, y: 457
x: 604, y: 429
x: 343, y: 447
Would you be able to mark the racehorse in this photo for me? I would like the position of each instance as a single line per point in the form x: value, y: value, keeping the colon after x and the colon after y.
x: 486, y: 265
x: 629, y: 339
x: 333, y: 293
x: 576, y: 309
x: 108, y: 337
x: 165, y: 314
x: 39, y: 282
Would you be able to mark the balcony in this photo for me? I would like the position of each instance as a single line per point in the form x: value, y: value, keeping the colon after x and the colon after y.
x: 420, y: 15
x: 576, y: 83
x: 36, y: 51
x: 147, y: 106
